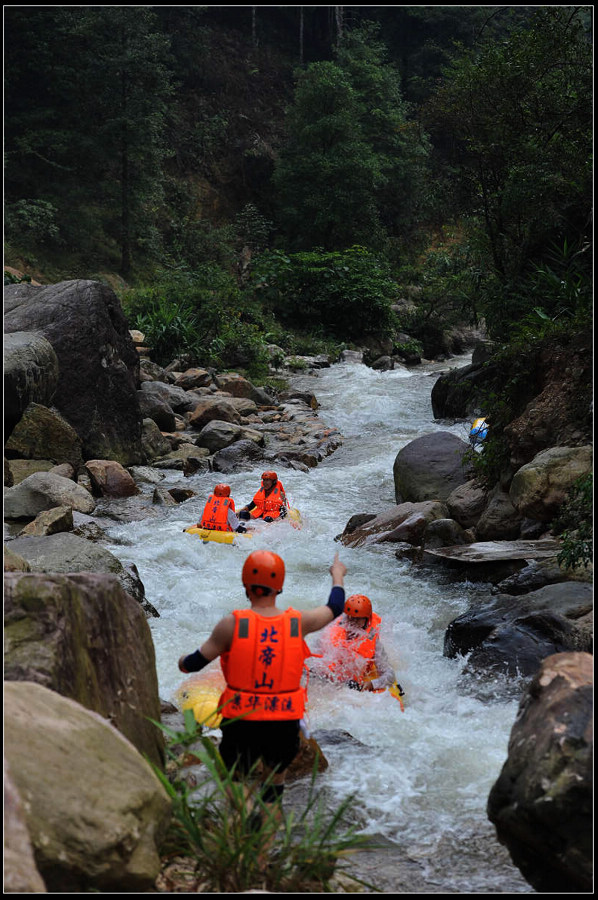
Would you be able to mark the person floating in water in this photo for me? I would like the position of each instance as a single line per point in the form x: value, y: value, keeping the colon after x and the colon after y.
x: 269, y: 503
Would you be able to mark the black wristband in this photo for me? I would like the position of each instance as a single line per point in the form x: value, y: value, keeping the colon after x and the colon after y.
x: 195, y: 661
x: 336, y: 601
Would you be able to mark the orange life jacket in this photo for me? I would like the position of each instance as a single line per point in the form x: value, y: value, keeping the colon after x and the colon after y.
x: 263, y: 667
x: 354, y: 656
x: 270, y: 505
x: 215, y: 513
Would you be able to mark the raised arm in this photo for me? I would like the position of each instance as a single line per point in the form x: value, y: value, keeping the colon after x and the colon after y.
x: 315, y: 619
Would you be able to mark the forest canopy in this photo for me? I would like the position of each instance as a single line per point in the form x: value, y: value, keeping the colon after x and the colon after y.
x: 446, y: 148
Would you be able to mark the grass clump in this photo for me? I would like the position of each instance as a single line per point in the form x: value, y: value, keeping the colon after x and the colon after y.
x: 227, y: 840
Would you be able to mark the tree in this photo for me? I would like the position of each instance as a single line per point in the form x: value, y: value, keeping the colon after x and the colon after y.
x: 519, y: 117
x: 350, y: 170
x: 86, y: 115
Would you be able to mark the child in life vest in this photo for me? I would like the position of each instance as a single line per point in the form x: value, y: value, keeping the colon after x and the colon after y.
x: 269, y: 503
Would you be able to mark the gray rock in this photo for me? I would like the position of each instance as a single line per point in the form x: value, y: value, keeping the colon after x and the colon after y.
x: 68, y: 553
x: 44, y: 490
x: 98, y: 364
x: 96, y: 813
x: 542, y: 801
x: 30, y: 374
x: 431, y: 467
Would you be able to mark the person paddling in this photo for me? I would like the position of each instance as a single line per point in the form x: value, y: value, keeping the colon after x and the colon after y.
x: 269, y: 503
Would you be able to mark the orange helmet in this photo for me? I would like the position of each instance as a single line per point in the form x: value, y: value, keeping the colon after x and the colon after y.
x: 263, y: 569
x: 358, y: 606
x: 222, y: 490
x: 272, y: 475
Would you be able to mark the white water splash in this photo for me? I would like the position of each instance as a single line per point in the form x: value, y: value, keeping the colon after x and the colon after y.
x: 423, y: 776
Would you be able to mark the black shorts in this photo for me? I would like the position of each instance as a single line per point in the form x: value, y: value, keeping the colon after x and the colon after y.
x: 244, y: 743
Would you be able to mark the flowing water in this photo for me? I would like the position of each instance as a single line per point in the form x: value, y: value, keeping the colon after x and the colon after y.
x: 421, y: 777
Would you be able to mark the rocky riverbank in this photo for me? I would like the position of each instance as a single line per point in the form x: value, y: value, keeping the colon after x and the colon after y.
x: 91, y: 424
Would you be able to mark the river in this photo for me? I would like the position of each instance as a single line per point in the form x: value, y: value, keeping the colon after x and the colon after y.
x: 421, y: 777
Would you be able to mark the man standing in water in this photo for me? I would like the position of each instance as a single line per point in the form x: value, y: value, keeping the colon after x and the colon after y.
x: 262, y: 653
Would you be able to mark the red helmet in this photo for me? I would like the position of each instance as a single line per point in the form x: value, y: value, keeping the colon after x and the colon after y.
x: 358, y: 606
x: 272, y: 475
x: 222, y: 490
x: 263, y: 569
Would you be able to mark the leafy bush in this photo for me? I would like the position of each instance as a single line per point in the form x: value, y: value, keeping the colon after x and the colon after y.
x: 31, y: 221
x: 198, y: 314
x: 574, y: 523
x: 237, y: 842
x: 345, y: 295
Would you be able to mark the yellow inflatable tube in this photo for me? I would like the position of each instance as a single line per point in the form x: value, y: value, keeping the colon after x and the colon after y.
x: 201, y: 693
x: 221, y: 537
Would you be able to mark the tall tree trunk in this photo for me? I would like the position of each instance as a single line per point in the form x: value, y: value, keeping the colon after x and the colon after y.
x: 301, y: 35
x: 338, y: 16
x: 125, y: 241
x: 253, y: 28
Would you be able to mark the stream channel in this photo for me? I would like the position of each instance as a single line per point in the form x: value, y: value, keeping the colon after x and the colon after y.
x: 420, y: 778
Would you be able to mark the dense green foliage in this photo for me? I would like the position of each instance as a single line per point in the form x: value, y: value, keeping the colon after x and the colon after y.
x: 347, y: 294
x: 519, y: 114
x: 575, y: 525
x: 453, y: 145
x: 352, y: 166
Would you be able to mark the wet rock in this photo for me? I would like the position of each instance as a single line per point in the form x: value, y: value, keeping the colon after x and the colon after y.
x: 542, y: 802
x: 431, y: 467
x: 514, y: 634
x: 404, y: 522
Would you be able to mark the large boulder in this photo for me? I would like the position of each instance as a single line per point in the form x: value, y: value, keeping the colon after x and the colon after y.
x: 42, y: 433
x: 512, y: 635
x: 73, y: 634
x: 95, y: 811
x: 540, y: 487
x: 30, y: 374
x: 65, y: 552
x: 45, y: 490
x: 431, y: 467
x: 98, y: 365
x: 542, y: 801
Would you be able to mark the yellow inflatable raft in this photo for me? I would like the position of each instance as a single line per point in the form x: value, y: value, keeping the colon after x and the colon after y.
x: 201, y: 693
x: 229, y: 537
x: 221, y: 537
